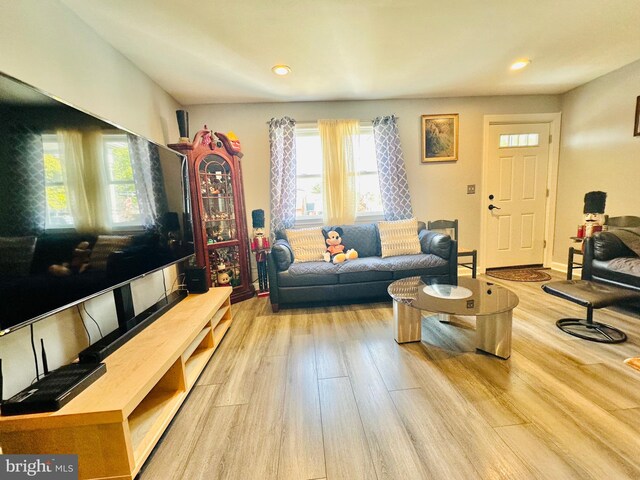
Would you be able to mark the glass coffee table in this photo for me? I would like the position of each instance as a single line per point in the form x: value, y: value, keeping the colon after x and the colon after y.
x: 491, y: 304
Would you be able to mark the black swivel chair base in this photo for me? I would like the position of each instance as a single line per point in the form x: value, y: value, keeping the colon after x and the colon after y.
x: 590, y: 330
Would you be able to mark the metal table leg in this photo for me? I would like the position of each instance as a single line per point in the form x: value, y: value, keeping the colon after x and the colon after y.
x: 493, y: 334
x: 407, y: 323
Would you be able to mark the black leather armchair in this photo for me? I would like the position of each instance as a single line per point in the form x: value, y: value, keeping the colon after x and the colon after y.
x: 607, y: 259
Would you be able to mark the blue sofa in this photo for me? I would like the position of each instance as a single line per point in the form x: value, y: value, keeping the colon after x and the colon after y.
x: 363, y: 279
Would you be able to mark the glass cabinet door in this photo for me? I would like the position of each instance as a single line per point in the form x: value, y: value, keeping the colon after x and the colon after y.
x: 225, y: 265
x: 216, y: 189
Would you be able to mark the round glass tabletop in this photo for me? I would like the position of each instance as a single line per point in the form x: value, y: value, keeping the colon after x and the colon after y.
x: 470, y: 297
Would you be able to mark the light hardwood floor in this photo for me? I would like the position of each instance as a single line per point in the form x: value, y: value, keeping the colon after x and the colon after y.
x: 327, y: 393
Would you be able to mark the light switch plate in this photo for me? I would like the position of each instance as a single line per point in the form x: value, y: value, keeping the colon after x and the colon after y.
x: 471, y: 189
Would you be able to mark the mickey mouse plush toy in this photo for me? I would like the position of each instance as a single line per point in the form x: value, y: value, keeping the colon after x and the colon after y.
x: 335, y: 249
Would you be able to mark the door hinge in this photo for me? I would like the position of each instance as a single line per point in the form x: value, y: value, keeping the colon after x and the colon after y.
x: 547, y: 192
x: 550, y: 138
x: 544, y: 244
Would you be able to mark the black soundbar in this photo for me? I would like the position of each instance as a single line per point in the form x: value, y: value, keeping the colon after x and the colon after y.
x: 111, y: 342
x: 55, y: 390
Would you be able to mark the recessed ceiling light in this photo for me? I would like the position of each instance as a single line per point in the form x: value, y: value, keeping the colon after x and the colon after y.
x: 520, y: 64
x: 281, y: 70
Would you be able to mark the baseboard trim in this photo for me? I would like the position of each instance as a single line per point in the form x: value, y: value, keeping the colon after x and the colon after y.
x: 559, y: 266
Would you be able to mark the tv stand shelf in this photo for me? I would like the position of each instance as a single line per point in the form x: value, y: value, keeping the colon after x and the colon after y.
x: 115, y: 423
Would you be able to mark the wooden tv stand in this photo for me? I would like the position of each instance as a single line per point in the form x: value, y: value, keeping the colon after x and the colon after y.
x: 114, y: 424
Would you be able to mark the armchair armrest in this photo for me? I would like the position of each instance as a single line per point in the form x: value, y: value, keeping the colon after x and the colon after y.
x: 436, y: 243
x: 281, y: 255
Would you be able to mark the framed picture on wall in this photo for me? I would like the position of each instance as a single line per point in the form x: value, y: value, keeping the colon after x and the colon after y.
x: 440, y: 138
x: 636, y: 128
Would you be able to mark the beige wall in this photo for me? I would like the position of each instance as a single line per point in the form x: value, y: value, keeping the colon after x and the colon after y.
x: 438, y: 190
x: 46, y: 45
x: 598, y: 151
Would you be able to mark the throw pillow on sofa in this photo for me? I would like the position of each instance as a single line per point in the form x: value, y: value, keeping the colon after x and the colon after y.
x: 105, y: 246
x: 307, y: 244
x: 399, y: 237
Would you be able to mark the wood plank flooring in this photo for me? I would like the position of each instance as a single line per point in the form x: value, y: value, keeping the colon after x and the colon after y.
x: 326, y: 393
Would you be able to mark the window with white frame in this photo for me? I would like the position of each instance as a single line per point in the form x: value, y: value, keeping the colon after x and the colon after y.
x: 58, y: 214
x: 118, y: 185
x: 309, y: 175
x: 123, y: 200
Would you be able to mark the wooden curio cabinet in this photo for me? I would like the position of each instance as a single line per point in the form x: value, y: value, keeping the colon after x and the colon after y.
x: 219, y: 220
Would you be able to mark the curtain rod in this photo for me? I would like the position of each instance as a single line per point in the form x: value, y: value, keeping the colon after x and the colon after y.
x: 316, y: 121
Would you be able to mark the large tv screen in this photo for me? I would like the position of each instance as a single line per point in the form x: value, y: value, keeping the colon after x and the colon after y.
x: 85, y: 206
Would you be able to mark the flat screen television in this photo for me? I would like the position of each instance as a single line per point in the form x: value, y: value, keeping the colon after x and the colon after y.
x: 85, y: 207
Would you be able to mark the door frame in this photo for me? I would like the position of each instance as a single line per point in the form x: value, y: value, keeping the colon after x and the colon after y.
x: 554, y: 121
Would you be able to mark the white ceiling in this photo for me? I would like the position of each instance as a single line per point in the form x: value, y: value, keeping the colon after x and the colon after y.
x: 212, y: 51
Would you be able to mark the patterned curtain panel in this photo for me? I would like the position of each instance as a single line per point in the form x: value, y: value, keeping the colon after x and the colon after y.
x: 22, y: 182
x: 283, y: 173
x: 148, y: 179
x: 394, y: 188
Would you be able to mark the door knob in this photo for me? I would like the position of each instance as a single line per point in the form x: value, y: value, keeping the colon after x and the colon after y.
x: 493, y: 207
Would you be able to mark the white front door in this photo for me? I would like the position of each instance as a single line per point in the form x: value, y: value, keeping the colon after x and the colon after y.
x: 516, y: 194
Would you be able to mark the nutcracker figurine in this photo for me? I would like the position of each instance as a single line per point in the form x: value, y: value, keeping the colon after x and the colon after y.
x: 594, y: 203
x: 260, y: 247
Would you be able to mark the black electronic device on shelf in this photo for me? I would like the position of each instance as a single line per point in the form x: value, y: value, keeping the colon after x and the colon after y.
x: 130, y: 324
x: 55, y: 390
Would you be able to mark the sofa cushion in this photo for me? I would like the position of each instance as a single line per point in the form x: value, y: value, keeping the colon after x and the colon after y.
x: 363, y: 238
x: 413, y: 262
x: 625, y: 265
x: 622, y: 274
x: 308, y: 244
x: 399, y: 237
x: 363, y: 269
x: 309, y: 273
x: 362, y: 264
x: 312, y: 268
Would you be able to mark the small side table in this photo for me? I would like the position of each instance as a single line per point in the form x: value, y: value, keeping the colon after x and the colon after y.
x: 571, y: 262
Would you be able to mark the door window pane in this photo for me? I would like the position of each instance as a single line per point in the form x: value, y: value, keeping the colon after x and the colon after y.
x: 519, y: 140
